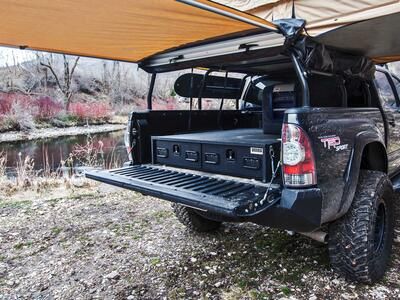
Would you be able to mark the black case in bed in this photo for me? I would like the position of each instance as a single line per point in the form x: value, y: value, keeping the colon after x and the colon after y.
x: 239, y: 152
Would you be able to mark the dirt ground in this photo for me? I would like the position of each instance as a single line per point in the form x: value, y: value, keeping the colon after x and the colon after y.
x: 88, y: 244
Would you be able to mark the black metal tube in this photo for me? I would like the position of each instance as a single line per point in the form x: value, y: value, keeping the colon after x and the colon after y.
x: 305, y: 92
x: 203, y: 85
x: 242, y: 84
x: 190, y: 102
x: 225, y: 83
x: 150, y: 93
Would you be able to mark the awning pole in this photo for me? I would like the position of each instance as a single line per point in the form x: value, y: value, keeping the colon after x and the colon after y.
x: 150, y: 93
x: 229, y: 14
x: 305, y: 92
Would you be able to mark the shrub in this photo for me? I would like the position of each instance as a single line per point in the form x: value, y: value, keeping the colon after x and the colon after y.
x: 8, y: 100
x: 100, y: 111
x: 21, y: 115
x: 79, y: 110
x: 5, y: 103
x: 47, y: 108
x: 90, y: 111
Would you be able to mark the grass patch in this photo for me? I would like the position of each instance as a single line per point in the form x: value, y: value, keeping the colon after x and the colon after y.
x: 16, y: 204
x: 21, y: 245
x: 163, y: 214
x: 56, y: 230
x: 286, y: 291
x: 155, y: 261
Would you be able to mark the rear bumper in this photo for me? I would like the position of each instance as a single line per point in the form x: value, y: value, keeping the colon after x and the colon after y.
x: 224, y: 199
x: 298, y: 210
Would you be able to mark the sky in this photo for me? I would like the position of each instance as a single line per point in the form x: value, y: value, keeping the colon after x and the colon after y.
x: 8, y: 55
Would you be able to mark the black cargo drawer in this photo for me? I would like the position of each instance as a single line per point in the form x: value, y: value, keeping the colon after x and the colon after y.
x: 239, y: 152
x: 219, y: 194
x: 234, y: 161
x: 187, y: 155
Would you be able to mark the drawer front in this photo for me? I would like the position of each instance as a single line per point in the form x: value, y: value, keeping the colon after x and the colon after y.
x: 187, y: 155
x: 233, y: 160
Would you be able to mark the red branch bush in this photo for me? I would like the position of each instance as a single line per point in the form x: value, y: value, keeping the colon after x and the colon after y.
x: 7, y: 100
x: 47, y: 108
x: 91, y: 111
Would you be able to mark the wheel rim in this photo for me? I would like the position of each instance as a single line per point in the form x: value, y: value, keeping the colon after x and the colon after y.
x: 380, y: 224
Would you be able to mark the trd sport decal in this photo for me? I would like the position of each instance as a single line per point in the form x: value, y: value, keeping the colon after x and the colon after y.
x: 333, y: 142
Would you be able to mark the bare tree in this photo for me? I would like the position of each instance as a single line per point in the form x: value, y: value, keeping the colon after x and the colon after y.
x: 65, y: 84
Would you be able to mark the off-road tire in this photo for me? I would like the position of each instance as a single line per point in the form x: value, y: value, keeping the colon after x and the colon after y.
x: 360, y: 243
x: 194, y: 221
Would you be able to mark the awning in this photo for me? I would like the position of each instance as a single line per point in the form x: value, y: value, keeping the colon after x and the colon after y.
x: 127, y: 30
x: 135, y: 30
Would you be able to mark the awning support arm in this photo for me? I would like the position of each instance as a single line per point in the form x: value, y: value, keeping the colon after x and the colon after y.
x: 229, y: 14
x: 150, y: 93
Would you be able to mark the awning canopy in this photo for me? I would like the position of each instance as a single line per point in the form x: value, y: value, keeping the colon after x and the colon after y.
x: 126, y: 30
x: 139, y: 30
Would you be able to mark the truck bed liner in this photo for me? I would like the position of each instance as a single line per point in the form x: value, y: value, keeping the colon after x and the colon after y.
x: 230, y: 196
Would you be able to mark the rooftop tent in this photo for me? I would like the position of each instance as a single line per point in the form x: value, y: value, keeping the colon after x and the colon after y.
x: 321, y: 16
x: 373, y: 24
x: 126, y: 30
x: 375, y: 38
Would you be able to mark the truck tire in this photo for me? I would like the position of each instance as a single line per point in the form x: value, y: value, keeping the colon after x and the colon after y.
x: 194, y: 221
x: 360, y: 243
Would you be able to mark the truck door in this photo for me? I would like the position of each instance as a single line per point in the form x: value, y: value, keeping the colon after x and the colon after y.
x: 389, y: 98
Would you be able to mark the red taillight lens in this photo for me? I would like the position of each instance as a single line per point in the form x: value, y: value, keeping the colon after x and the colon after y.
x: 297, y: 157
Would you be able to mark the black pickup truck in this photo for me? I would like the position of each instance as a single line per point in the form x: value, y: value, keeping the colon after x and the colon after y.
x: 309, y: 144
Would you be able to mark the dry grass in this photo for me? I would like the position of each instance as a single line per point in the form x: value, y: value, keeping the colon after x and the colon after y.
x: 3, y: 164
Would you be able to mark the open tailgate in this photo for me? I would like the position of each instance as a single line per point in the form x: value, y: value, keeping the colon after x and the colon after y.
x: 228, y: 196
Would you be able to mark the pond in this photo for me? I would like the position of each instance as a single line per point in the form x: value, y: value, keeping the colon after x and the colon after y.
x: 104, y: 150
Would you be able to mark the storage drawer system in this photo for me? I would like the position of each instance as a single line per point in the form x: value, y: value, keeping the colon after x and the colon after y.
x: 240, y: 152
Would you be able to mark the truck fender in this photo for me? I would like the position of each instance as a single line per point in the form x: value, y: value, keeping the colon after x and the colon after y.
x: 362, y: 140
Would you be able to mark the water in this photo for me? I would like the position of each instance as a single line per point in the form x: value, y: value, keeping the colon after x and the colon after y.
x: 102, y: 149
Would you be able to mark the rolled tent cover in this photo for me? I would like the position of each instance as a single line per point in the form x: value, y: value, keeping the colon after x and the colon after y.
x: 366, y: 27
x: 126, y: 30
x: 321, y: 16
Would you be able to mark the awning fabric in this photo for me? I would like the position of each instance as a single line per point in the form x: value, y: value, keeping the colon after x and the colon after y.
x: 127, y: 30
x: 132, y: 30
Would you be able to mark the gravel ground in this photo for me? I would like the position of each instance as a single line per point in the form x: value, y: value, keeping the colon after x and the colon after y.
x: 122, y: 245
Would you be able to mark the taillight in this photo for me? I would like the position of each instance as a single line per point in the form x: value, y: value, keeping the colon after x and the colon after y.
x: 298, y: 162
